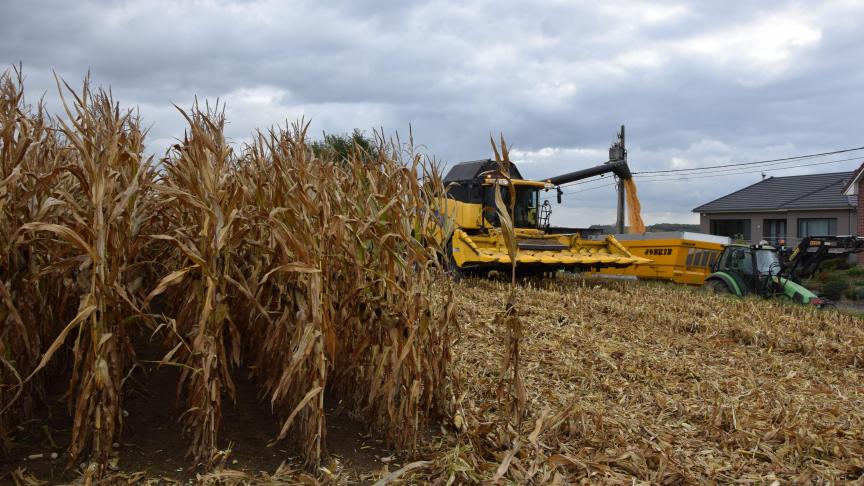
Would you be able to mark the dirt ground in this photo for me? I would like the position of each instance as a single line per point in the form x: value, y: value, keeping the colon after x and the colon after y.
x: 654, y: 383
x: 153, y: 448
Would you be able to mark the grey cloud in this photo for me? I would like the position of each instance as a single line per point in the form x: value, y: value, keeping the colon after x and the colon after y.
x: 701, y: 81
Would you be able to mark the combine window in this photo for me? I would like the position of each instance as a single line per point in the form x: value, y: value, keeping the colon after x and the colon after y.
x: 525, y: 210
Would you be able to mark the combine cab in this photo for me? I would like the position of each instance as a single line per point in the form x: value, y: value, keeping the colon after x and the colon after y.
x: 477, y: 242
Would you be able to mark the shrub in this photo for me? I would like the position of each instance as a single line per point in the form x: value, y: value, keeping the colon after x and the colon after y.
x: 855, y: 272
x: 834, y: 289
x: 855, y: 292
x: 836, y: 264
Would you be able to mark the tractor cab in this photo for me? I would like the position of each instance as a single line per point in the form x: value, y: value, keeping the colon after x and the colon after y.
x: 757, y: 269
x: 752, y: 268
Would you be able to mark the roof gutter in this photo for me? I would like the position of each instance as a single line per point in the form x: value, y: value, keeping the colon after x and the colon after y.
x: 747, y: 211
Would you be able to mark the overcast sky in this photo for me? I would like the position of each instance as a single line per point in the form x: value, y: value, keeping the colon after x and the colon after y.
x: 696, y: 83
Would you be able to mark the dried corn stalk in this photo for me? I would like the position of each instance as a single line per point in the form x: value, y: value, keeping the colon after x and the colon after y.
x: 96, y: 228
x: 511, y: 389
x: 309, y: 269
x: 204, y: 228
x: 348, y: 226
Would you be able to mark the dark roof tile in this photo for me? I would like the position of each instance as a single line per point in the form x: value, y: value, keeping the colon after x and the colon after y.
x: 813, y: 191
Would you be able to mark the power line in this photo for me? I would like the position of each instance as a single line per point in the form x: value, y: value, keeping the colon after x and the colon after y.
x: 569, y: 193
x: 659, y: 178
x: 759, y: 162
x: 584, y: 181
x: 589, y: 188
x: 737, y: 172
x: 725, y: 169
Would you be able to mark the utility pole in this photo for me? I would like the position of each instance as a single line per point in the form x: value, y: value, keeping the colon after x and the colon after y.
x: 618, y: 151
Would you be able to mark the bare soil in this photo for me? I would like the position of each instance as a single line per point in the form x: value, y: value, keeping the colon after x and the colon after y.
x: 153, y: 443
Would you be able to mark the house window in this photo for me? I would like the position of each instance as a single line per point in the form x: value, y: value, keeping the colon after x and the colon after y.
x: 733, y: 228
x: 817, y: 227
x: 774, y: 230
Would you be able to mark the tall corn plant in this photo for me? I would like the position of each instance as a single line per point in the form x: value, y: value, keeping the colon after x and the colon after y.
x: 288, y: 193
x: 27, y: 153
x: 403, y: 340
x: 511, y: 388
x: 343, y: 288
x: 96, y: 227
x: 204, y: 211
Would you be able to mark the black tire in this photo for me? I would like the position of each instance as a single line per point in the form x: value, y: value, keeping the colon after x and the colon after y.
x: 717, y: 286
x: 453, y: 269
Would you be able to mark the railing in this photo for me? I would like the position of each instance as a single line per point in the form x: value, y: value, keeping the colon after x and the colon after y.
x: 778, y: 241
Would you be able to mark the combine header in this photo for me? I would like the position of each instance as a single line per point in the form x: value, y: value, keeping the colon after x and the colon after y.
x: 477, y: 242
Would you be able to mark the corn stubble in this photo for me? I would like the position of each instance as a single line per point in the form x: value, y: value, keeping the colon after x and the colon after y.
x: 631, y: 383
x: 305, y: 271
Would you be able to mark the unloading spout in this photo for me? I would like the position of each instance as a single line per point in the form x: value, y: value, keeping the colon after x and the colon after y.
x: 618, y: 167
x: 616, y: 164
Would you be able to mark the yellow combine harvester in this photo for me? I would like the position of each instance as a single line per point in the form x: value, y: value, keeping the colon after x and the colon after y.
x: 680, y: 257
x: 477, y: 243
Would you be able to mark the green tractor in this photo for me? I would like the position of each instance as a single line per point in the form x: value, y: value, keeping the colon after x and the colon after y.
x: 767, y: 271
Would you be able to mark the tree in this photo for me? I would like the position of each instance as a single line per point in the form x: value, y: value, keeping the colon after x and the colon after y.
x: 343, y: 145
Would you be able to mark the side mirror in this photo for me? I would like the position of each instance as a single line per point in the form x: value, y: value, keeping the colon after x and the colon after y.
x: 560, y: 192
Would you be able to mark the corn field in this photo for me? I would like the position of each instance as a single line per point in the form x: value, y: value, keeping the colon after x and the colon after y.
x: 302, y: 270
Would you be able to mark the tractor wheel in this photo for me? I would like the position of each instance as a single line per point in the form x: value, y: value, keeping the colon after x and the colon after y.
x: 717, y: 287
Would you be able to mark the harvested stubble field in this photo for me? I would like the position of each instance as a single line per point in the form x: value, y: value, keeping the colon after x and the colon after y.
x: 671, y: 385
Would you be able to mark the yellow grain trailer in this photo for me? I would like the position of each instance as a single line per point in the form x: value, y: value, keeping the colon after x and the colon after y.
x: 680, y: 257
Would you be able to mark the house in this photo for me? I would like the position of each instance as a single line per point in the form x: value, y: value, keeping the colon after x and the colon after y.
x: 786, y: 208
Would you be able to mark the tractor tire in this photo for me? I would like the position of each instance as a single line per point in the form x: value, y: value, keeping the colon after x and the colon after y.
x: 717, y: 287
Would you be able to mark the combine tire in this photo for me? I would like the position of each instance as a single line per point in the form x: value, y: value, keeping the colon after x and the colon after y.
x: 717, y: 287
x: 455, y: 272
